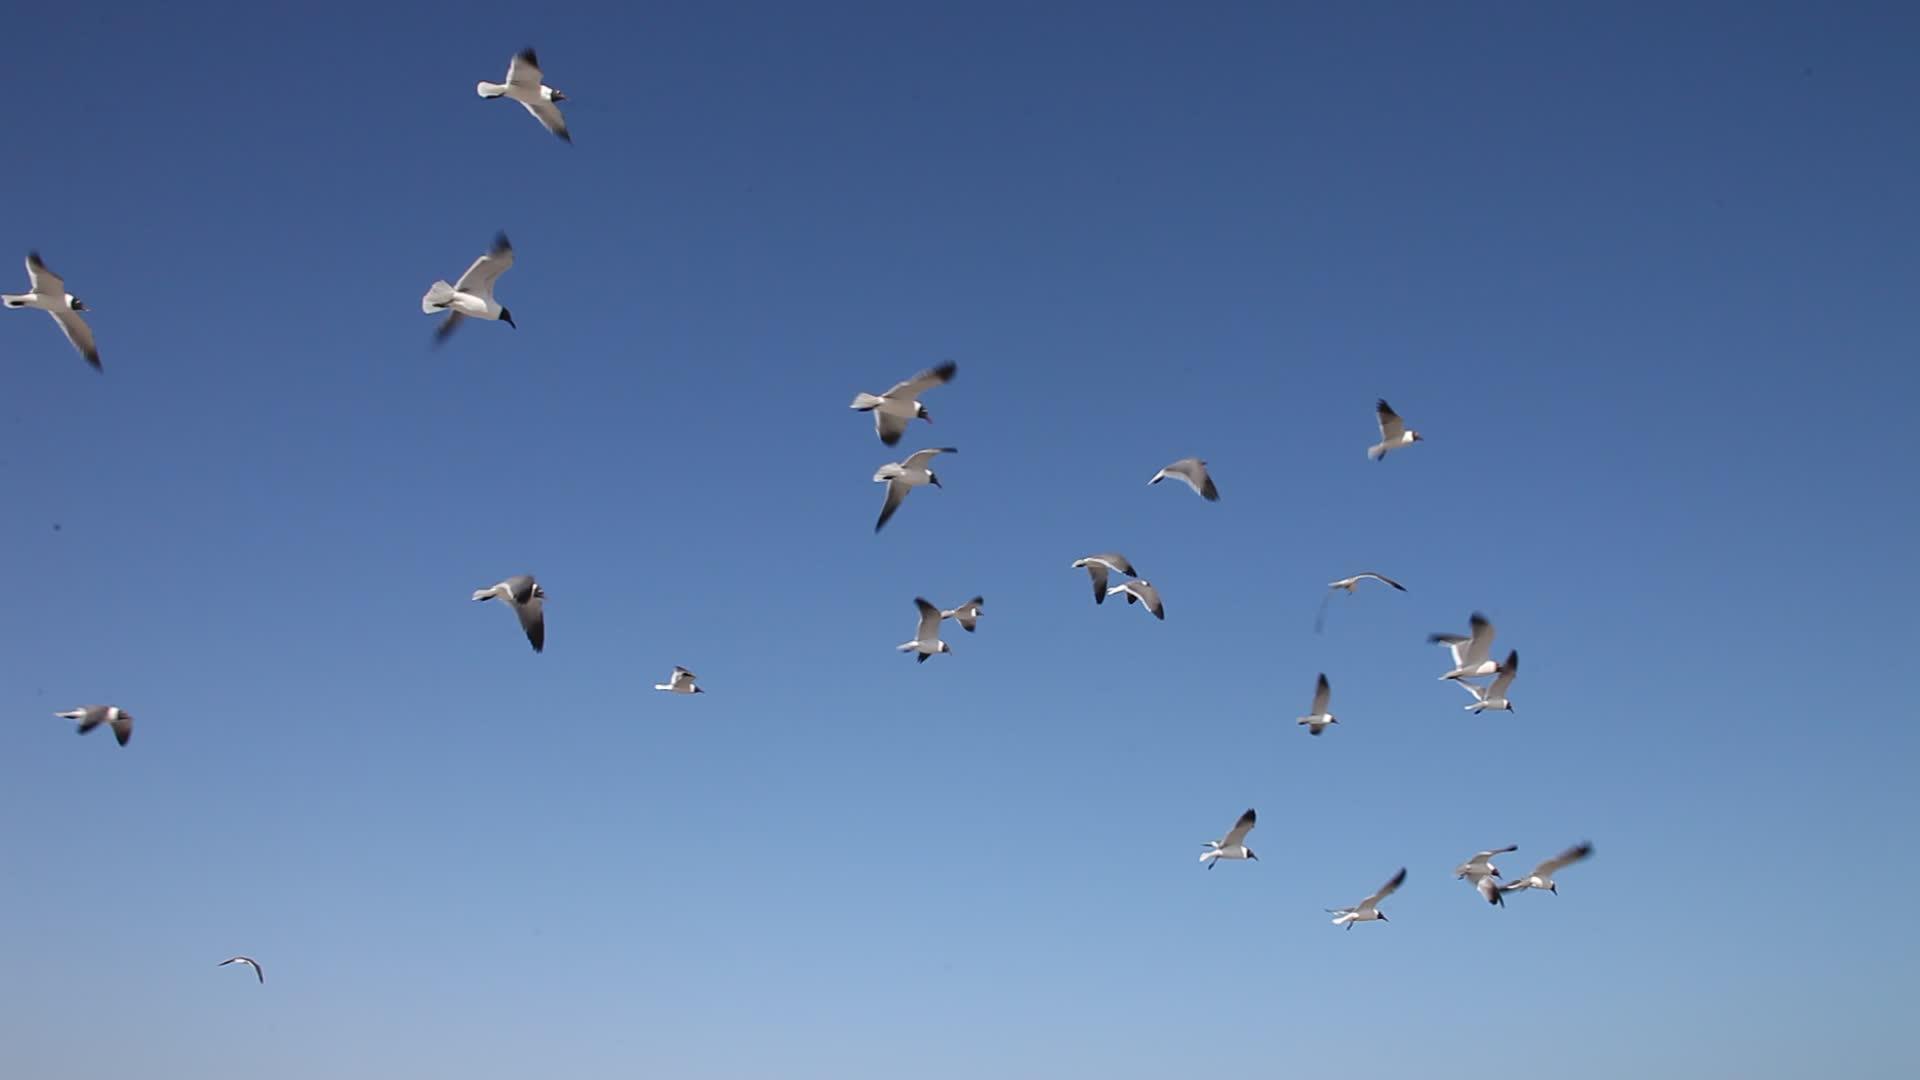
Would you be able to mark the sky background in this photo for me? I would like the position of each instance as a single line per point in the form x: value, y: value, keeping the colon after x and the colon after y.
x: 1644, y: 277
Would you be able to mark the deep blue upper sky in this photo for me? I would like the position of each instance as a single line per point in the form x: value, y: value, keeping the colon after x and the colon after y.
x: 1644, y: 277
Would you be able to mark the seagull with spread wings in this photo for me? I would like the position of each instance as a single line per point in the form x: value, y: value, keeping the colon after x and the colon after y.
x: 472, y: 296
x: 92, y: 716
x: 900, y: 406
x: 926, y: 636
x: 1234, y: 844
x: 529, y: 603
x: 250, y: 962
x: 1393, y: 432
x: 680, y: 682
x: 967, y: 614
x: 1192, y: 472
x: 1480, y: 872
x: 47, y: 291
x: 903, y: 476
x: 1141, y: 591
x: 524, y: 85
x: 1097, y: 568
x: 1470, y: 652
x: 1542, y: 876
x: 1368, y: 910
x: 1318, y: 717
x: 1494, y: 696
x: 1349, y: 584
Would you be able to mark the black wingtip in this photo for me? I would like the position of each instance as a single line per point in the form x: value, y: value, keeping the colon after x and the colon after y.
x: 946, y: 371
x: 34, y: 258
x: 94, y: 359
x: 528, y: 55
x: 501, y: 243
x: 565, y: 136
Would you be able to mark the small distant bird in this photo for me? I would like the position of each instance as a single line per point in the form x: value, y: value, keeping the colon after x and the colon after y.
x: 1318, y: 717
x: 1393, y: 432
x: 967, y: 614
x: 1495, y: 695
x: 1098, y: 566
x: 1469, y: 653
x: 46, y: 291
x: 1141, y: 590
x: 250, y: 962
x: 926, y: 639
x: 92, y: 716
x: 1542, y: 876
x: 1480, y: 872
x: 1193, y: 472
x: 472, y: 296
x: 1369, y: 909
x: 1349, y: 584
x: 529, y: 602
x: 680, y: 682
x: 900, y: 406
x: 524, y: 86
x: 1233, y: 845
x: 903, y: 476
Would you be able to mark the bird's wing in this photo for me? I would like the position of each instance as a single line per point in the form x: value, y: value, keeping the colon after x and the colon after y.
x: 1563, y: 860
x: 524, y: 72
x: 250, y: 962
x: 92, y: 716
x: 1481, y: 642
x: 1391, y: 426
x: 680, y: 672
x: 1478, y: 694
x: 896, y: 493
x: 122, y: 728
x: 1148, y: 595
x: 1384, y: 579
x: 929, y: 621
x: 447, y: 326
x: 911, y: 389
x: 1505, y: 678
x: 968, y: 614
x: 1386, y: 890
x: 1320, y: 695
x: 1097, y: 570
x: 549, y: 116
x: 79, y: 333
x: 1489, y: 890
x: 479, y: 278
x: 42, y: 280
x: 533, y: 620
x: 889, y: 426
x: 1455, y: 643
x: 1238, y: 834
x: 920, y: 459
x: 1193, y: 472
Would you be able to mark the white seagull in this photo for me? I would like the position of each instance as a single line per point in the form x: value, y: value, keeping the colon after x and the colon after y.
x: 92, y: 716
x: 680, y: 682
x: 1369, y: 909
x: 1495, y: 694
x: 250, y: 962
x: 1542, y: 876
x: 1469, y: 653
x: 472, y: 295
x: 967, y: 614
x: 1480, y: 872
x: 524, y: 86
x: 900, y: 406
x: 1098, y: 566
x: 1349, y: 584
x: 529, y: 602
x: 926, y: 638
x: 1318, y: 717
x: 903, y: 476
x: 1141, y: 591
x: 1233, y: 845
x: 46, y: 291
x: 1193, y: 472
x: 1393, y: 432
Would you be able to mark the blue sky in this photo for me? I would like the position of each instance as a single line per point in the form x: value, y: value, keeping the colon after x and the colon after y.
x: 1643, y: 277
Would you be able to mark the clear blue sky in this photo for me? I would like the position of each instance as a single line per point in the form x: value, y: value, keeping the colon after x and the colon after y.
x: 1645, y: 278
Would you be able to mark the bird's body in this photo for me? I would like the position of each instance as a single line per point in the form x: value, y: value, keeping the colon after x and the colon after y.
x: 1470, y: 659
x: 1234, y: 844
x: 525, y: 86
x: 680, y: 682
x: 926, y: 637
x: 1192, y: 472
x: 472, y: 296
x: 92, y: 716
x: 1494, y: 695
x: 967, y: 614
x: 1393, y: 432
x: 528, y: 601
x: 1368, y: 910
x: 47, y: 291
x: 250, y: 962
x: 1542, y: 876
x: 1099, y: 566
x: 903, y: 476
x: 1480, y: 872
x: 900, y: 406
x: 1141, y: 591
x: 1318, y: 717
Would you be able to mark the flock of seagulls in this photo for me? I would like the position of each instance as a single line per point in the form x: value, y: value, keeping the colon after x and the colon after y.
x: 894, y: 411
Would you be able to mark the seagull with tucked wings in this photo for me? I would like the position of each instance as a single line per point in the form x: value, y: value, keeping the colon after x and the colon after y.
x: 1480, y: 872
x: 1469, y: 653
x: 524, y: 85
x: 1393, y: 432
x: 47, y: 291
x: 1097, y: 568
x: 1192, y: 472
x: 1234, y: 844
x: 680, y: 682
x: 1542, y: 876
x: 529, y: 603
x: 903, y: 476
x: 926, y: 636
x: 1318, y: 717
x: 472, y: 296
x: 250, y: 962
x: 1494, y: 696
x: 1368, y: 910
x: 900, y: 406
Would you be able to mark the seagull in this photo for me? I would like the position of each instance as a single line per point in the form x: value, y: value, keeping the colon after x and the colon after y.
x: 967, y: 614
x: 1233, y: 845
x: 1369, y: 909
x: 92, y: 716
x: 1481, y: 872
x: 524, y: 86
x: 472, y: 295
x: 1142, y: 591
x: 1348, y: 584
x: 1469, y: 653
x: 1542, y: 876
x: 900, y: 406
x: 529, y: 602
x: 48, y: 292
x: 250, y: 962
x: 1318, y: 717
x: 680, y: 682
x: 1495, y: 695
x: 903, y: 476
x: 1393, y: 432
x: 1098, y: 566
x: 1194, y: 472
x: 926, y: 639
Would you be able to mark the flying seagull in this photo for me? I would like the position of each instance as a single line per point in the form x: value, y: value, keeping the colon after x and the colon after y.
x: 1480, y: 872
x: 1469, y: 653
x: 1193, y: 472
x: 1542, y: 876
x: 46, y: 291
x: 1369, y: 909
x: 92, y: 716
x: 900, y: 406
x: 1318, y: 717
x: 903, y: 476
x: 1233, y: 845
x: 1393, y: 432
x: 1098, y: 566
x: 967, y: 614
x: 529, y: 602
x: 250, y: 962
x: 472, y: 295
x: 524, y: 86
x: 1142, y: 591
x: 1495, y: 695
x: 680, y: 682
x: 926, y: 639
x: 1349, y: 584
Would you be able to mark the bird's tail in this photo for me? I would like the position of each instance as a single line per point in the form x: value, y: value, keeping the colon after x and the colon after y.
x: 490, y: 90
x: 439, y: 295
x: 483, y: 594
x: 864, y: 402
x: 14, y: 301
x: 1375, y: 453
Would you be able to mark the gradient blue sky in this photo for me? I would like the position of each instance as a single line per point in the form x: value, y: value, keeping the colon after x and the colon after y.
x: 1646, y: 278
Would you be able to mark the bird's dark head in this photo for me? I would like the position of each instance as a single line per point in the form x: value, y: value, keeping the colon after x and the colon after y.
x: 1417, y: 437
x: 921, y: 412
x: 507, y: 317
x: 79, y: 304
x: 558, y: 96
x: 934, y: 479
